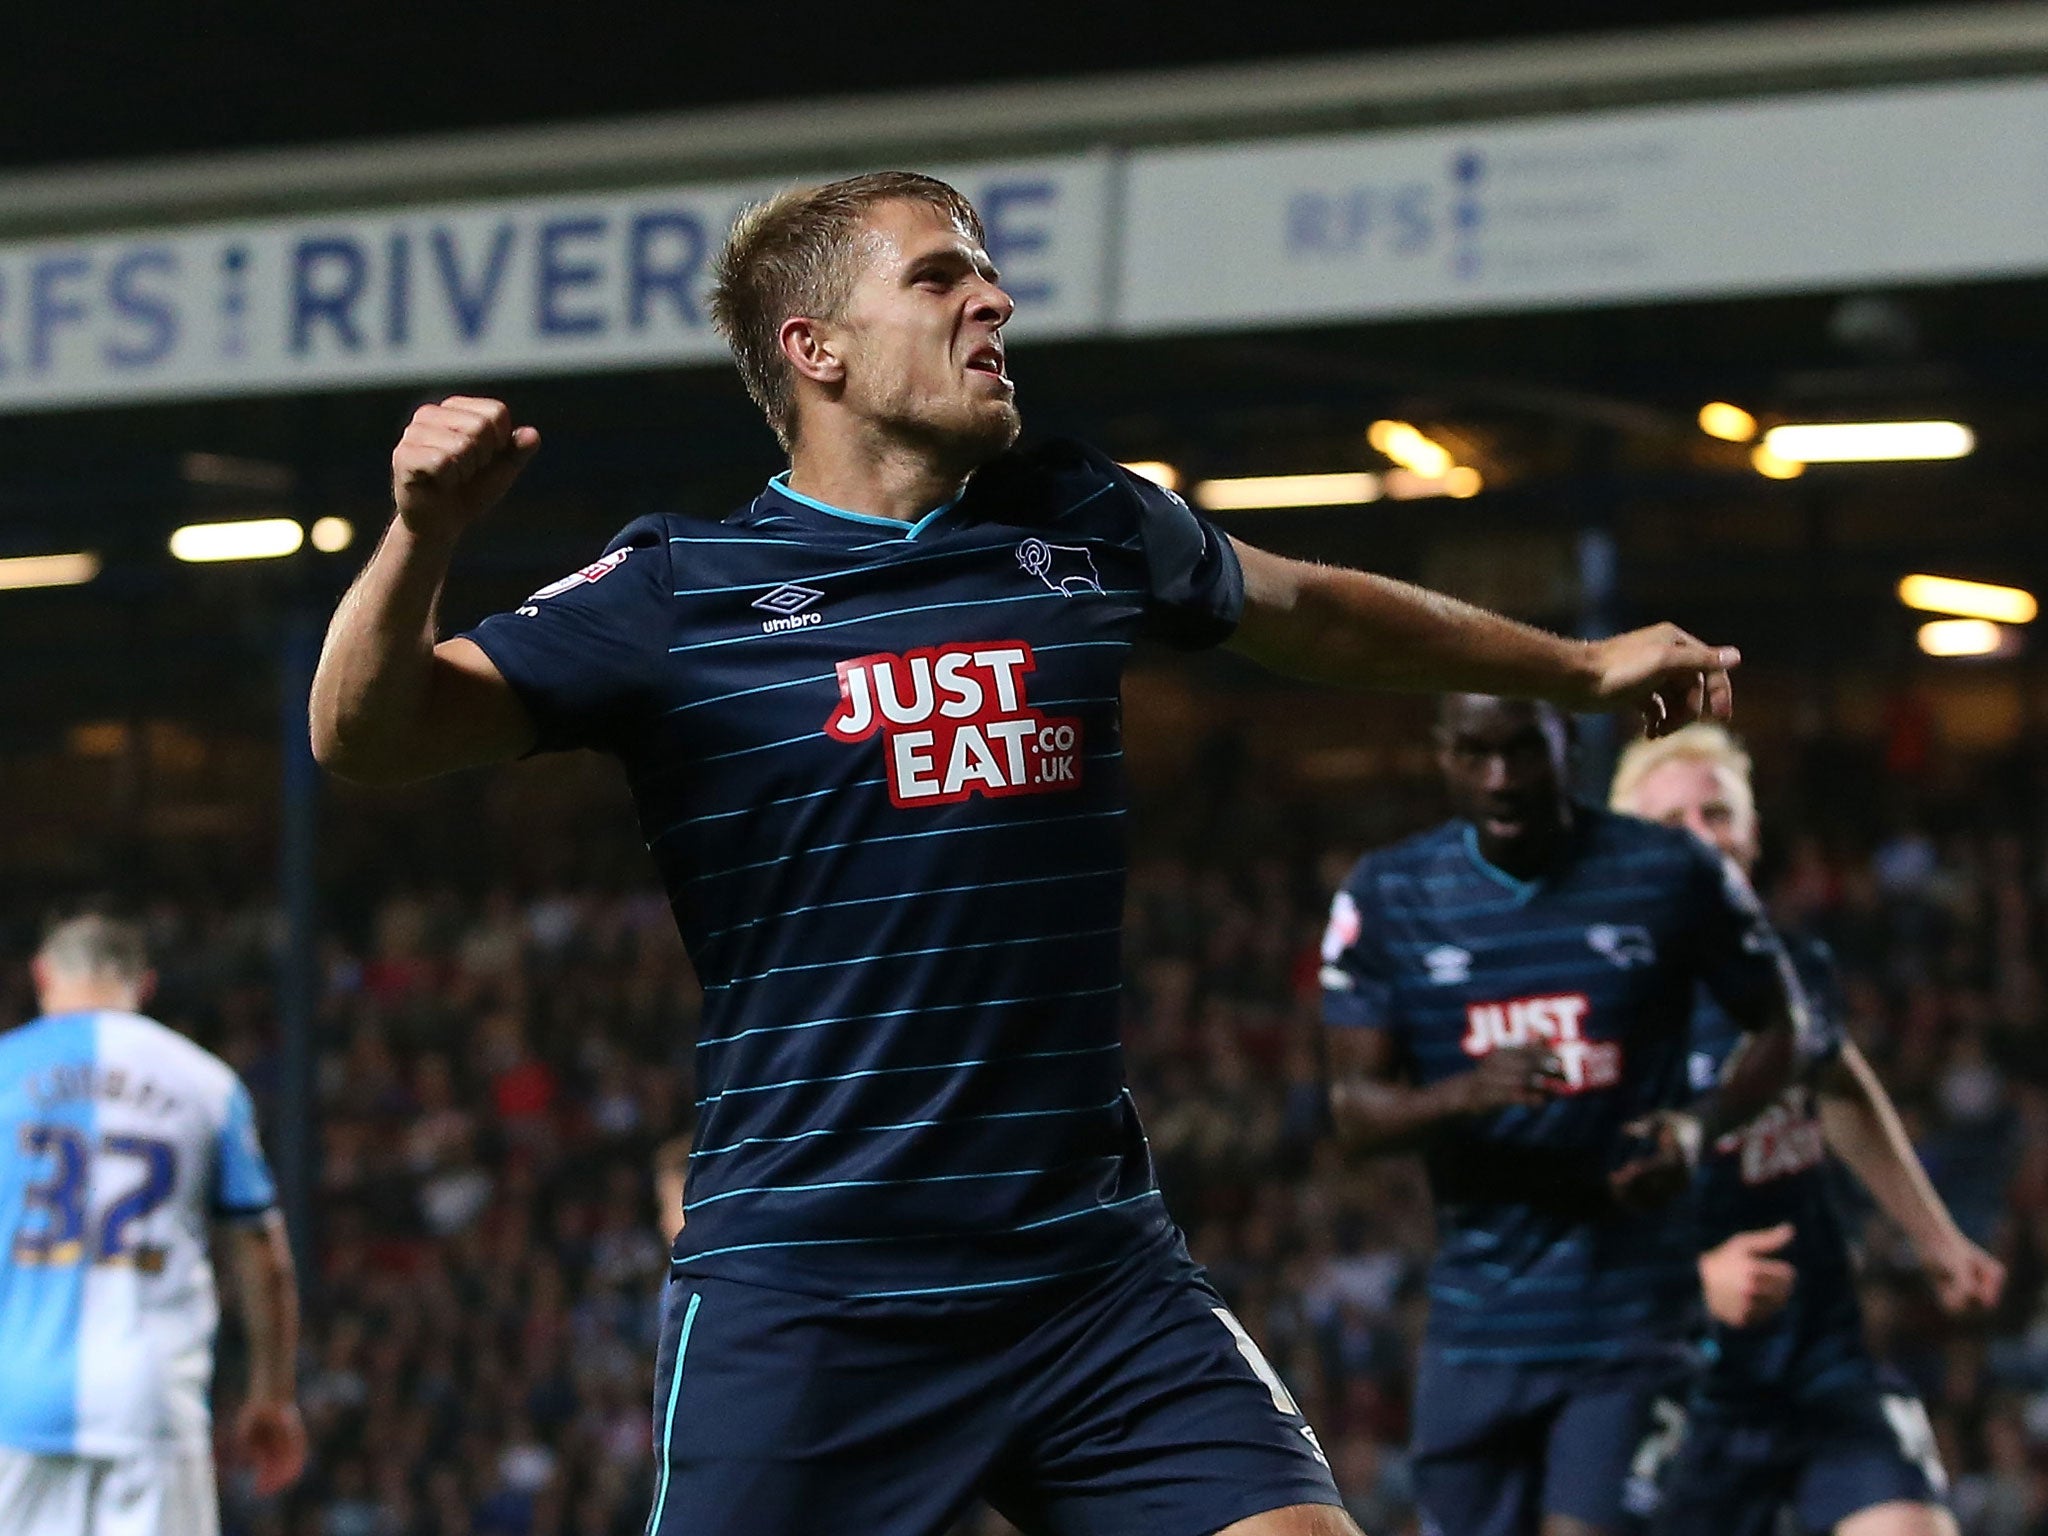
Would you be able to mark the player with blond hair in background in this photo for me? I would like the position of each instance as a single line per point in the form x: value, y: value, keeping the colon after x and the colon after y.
x: 1789, y: 1411
x: 120, y: 1141
x: 1509, y: 995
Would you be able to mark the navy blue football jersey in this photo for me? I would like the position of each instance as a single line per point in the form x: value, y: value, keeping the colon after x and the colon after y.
x: 1597, y: 962
x: 1774, y: 1170
x: 879, y: 767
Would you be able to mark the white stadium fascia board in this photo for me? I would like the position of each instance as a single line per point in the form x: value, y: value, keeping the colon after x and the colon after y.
x: 1178, y: 106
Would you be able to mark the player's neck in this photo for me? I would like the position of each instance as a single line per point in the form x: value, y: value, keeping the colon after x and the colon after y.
x: 1530, y: 856
x: 879, y: 479
x: 88, y: 997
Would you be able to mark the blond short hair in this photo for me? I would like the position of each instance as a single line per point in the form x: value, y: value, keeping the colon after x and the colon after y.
x: 793, y: 255
x: 1701, y: 742
x: 93, y: 946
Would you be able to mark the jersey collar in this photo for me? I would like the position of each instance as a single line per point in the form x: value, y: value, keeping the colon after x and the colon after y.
x: 1525, y: 890
x: 779, y: 485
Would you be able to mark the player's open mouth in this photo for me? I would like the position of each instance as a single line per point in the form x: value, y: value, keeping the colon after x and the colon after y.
x: 988, y: 360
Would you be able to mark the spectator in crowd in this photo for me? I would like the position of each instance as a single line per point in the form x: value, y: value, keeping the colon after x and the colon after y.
x: 503, y: 1069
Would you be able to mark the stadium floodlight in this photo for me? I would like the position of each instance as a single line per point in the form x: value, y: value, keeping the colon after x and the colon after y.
x: 256, y: 538
x: 1775, y: 466
x: 1459, y: 480
x: 1962, y: 637
x: 331, y: 535
x: 24, y: 571
x: 1869, y: 442
x: 1730, y: 423
x: 1411, y: 448
x: 1968, y: 599
x: 1252, y: 493
x: 1157, y: 471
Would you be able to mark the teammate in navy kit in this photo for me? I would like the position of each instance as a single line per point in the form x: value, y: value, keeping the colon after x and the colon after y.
x: 1790, y: 1411
x: 871, y: 724
x: 1509, y: 994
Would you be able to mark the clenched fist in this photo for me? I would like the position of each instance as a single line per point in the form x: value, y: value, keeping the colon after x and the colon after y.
x: 455, y: 460
x: 1743, y: 1284
x: 1518, y: 1076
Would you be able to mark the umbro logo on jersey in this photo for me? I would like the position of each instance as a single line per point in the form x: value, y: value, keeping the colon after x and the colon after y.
x: 788, y: 603
x: 1067, y: 569
x: 1448, y: 965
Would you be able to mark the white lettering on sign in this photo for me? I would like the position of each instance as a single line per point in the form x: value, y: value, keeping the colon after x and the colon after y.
x: 583, y: 282
x: 954, y: 723
x: 1557, y: 1022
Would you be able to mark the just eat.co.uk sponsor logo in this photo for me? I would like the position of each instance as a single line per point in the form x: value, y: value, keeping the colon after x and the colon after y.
x: 1785, y: 1139
x: 955, y: 723
x: 1557, y: 1022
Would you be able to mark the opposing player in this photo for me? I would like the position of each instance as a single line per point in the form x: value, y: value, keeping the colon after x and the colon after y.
x: 1790, y: 1411
x: 120, y: 1141
x: 871, y: 724
x: 1509, y: 994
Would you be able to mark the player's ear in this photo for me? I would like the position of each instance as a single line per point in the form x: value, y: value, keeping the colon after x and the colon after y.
x: 811, y: 349
x: 145, y: 989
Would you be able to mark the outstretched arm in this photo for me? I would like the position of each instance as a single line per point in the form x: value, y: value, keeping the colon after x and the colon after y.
x: 1864, y: 1130
x: 389, y: 705
x: 1331, y: 625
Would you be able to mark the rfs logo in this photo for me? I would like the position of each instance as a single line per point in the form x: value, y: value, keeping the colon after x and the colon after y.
x: 955, y: 723
x: 1557, y: 1022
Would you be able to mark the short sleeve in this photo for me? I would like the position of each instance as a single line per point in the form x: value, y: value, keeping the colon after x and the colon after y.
x: 582, y: 653
x: 1194, y: 585
x: 1827, y: 1010
x: 1358, y: 983
x: 242, y: 1185
x: 1738, y: 954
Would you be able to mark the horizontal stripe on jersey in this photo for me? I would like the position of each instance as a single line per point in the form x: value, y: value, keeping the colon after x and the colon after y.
x: 882, y: 780
x: 1597, y: 962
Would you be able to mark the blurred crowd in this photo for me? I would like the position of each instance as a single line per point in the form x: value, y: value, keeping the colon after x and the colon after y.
x: 502, y: 1060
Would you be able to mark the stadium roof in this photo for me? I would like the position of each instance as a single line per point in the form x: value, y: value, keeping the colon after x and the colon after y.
x: 1581, y: 419
x: 1188, y: 89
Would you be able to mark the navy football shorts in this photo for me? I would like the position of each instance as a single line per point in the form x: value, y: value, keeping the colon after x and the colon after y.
x: 1833, y: 1457
x: 1496, y: 1448
x: 1132, y: 1402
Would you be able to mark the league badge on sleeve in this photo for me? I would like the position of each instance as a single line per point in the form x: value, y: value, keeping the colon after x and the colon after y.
x: 597, y: 570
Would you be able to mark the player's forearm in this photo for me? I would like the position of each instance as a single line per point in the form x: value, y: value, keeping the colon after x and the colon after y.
x: 1352, y: 628
x: 1757, y: 1071
x: 373, y: 684
x: 1374, y: 1116
x: 270, y: 1312
x: 1864, y: 1130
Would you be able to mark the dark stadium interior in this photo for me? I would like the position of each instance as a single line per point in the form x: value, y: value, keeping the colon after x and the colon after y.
x: 505, y: 1014
x: 170, y: 81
